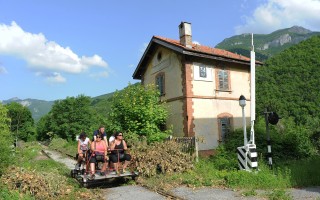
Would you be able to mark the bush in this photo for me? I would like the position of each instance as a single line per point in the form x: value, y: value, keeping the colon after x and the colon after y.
x: 224, y: 160
x: 6, y: 140
x: 288, y: 140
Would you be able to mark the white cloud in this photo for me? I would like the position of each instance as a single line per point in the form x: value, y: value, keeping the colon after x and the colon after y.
x: 42, y: 54
x: 277, y: 14
x: 103, y: 74
x: 52, y: 77
x: 196, y: 42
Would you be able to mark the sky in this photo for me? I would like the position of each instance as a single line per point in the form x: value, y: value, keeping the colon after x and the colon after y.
x: 55, y: 49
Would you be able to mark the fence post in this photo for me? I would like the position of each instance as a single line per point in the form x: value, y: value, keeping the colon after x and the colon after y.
x: 196, y: 148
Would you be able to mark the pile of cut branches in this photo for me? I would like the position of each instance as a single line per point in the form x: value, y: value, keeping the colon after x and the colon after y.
x: 165, y: 157
x: 42, y: 185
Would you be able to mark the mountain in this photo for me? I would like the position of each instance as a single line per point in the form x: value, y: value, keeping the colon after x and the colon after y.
x: 266, y: 45
x: 37, y: 107
x: 289, y: 83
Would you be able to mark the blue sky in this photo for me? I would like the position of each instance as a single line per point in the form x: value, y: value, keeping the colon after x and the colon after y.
x: 57, y: 48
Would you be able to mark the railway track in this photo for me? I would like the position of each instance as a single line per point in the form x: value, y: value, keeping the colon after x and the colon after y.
x: 166, y: 194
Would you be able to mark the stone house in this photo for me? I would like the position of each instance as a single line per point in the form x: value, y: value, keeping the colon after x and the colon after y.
x: 200, y: 84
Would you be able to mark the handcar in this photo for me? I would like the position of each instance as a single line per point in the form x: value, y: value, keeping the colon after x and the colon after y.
x: 84, y: 177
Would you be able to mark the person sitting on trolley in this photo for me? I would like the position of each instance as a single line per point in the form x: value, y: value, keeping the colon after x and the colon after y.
x: 98, y: 153
x: 83, y: 146
x: 118, y: 147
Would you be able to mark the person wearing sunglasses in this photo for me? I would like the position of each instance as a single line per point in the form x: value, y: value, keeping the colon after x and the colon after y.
x: 98, y: 153
x: 118, y: 148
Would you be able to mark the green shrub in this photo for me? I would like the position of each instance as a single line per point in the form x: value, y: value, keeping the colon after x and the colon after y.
x: 6, y: 140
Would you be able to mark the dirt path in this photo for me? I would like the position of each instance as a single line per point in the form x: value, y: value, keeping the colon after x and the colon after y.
x: 141, y: 193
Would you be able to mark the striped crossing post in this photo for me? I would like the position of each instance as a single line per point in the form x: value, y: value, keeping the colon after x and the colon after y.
x: 272, y: 118
x: 247, y: 157
x: 269, y: 155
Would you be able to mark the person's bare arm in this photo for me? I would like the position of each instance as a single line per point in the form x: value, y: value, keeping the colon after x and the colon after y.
x: 113, y: 145
x: 124, y: 145
x: 105, y: 139
x: 92, y: 147
x: 79, y: 150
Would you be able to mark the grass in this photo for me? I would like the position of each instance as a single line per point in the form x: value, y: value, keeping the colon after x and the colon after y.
x: 279, y: 195
x: 208, y: 172
x: 274, y: 182
x: 62, y: 145
x: 304, y: 172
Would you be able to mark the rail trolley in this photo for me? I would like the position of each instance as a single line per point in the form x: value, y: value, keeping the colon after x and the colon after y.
x: 84, y: 177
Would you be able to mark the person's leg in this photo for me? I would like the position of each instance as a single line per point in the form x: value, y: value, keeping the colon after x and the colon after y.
x: 92, y: 166
x: 80, y: 158
x: 127, y: 158
x: 114, y: 160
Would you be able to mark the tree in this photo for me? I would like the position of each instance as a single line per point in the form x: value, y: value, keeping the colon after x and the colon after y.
x: 137, y: 110
x: 22, y: 123
x: 6, y: 139
x: 68, y: 118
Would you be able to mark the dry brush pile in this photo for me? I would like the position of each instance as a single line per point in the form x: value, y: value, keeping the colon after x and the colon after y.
x: 42, y: 185
x: 165, y: 157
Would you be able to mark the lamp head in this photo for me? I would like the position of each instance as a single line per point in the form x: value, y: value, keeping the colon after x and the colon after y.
x: 242, y: 101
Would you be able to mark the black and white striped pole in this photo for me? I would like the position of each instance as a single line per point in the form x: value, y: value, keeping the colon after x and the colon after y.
x: 272, y: 118
x: 269, y: 154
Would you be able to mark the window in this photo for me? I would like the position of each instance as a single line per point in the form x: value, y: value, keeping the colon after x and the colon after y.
x: 159, y: 56
x: 223, y: 79
x: 224, y: 125
x: 160, y: 83
x: 203, y: 71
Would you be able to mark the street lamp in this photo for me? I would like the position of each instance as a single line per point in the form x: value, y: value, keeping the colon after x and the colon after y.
x: 242, y: 103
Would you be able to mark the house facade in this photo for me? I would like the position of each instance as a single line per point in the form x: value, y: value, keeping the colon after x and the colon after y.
x: 200, y: 84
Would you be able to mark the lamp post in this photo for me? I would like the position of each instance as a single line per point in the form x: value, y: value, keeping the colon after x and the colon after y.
x: 242, y: 103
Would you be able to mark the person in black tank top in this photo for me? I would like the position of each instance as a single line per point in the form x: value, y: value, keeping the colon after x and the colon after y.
x: 118, y: 147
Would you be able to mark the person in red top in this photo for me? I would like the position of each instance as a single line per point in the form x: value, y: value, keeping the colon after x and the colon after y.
x: 98, y: 152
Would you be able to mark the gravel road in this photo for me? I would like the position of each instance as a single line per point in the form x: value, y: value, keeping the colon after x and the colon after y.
x: 141, y: 193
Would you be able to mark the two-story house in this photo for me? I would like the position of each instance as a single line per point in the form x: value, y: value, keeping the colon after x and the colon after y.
x: 200, y: 84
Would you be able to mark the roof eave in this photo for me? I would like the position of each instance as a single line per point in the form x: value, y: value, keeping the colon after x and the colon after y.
x: 185, y: 51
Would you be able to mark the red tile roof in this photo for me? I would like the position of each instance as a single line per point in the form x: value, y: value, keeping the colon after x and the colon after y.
x: 206, y: 49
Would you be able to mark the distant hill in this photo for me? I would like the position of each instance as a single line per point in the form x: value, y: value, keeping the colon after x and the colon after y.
x: 266, y: 45
x: 40, y: 108
x: 37, y: 107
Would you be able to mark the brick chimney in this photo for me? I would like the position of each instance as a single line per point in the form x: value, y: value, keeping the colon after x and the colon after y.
x: 185, y: 34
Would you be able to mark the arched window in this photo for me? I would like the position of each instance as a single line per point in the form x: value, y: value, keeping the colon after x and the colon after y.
x: 225, y: 124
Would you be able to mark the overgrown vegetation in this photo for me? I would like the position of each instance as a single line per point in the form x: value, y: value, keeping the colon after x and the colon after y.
x: 288, y: 84
x: 34, y: 176
x: 68, y: 118
x: 22, y: 123
x: 69, y: 148
x: 6, y: 139
x: 136, y: 110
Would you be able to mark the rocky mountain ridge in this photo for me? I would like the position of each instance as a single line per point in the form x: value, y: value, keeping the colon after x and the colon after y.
x: 266, y: 45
